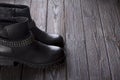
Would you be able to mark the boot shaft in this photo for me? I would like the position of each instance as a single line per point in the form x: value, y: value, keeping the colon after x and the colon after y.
x: 14, y: 28
x: 11, y: 10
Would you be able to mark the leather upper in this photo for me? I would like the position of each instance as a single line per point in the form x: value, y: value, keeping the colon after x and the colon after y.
x: 36, y: 53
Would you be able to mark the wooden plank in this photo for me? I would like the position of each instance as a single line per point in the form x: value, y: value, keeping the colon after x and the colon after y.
x: 55, y: 24
x: 58, y: 73
x: 38, y: 13
x: 77, y: 66
x: 95, y: 45
x: 55, y: 18
x: 32, y: 73
x: 109, y: 23
x: 117, y: 29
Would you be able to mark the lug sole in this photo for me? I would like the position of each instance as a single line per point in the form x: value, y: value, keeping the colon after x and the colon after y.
x: 5, y: 61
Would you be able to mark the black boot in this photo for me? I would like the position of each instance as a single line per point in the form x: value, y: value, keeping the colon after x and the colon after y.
x: 17, y: 44
x: 10, y: 10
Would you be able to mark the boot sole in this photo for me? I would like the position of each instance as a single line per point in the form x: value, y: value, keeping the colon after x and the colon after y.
x: 5, y: 61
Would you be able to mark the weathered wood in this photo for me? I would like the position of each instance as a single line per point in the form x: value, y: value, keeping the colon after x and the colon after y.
x: 117, y: 29
x: 77, y: 67
x: 55, y: 17
x: 95, y: 45
x: 32, y: 73
x: 38, y: 13
x: 108, y: 19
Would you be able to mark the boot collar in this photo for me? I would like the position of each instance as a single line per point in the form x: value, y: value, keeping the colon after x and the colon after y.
x: 12, y: 10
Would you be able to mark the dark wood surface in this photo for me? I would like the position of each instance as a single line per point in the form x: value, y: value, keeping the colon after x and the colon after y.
x: 91, y: 30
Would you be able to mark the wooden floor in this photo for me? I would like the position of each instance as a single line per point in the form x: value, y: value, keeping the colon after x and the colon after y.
x: 91, y: 29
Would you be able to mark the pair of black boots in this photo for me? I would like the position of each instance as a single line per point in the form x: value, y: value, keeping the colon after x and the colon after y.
x: 22, y: 42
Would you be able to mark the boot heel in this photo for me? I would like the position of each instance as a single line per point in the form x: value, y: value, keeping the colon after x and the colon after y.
x: 7, y: 62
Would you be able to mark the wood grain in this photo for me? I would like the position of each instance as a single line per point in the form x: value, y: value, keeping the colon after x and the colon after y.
x: 55, y: 17
x: 32, y: 73
x: 38, y: 13
x: 108, y: 19
x: 95, y: 45
x: 77, y: 67
x: 116, y: 7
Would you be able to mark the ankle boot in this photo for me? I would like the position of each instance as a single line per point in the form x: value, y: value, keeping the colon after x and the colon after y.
x: 10, y: 10
x: 17, y: 44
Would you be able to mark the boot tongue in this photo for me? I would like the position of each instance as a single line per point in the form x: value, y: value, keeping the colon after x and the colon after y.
x: 15, y: 32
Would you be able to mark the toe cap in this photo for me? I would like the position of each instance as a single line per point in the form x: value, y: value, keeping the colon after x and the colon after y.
x: 58, y: 54
x: 57, y: 40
